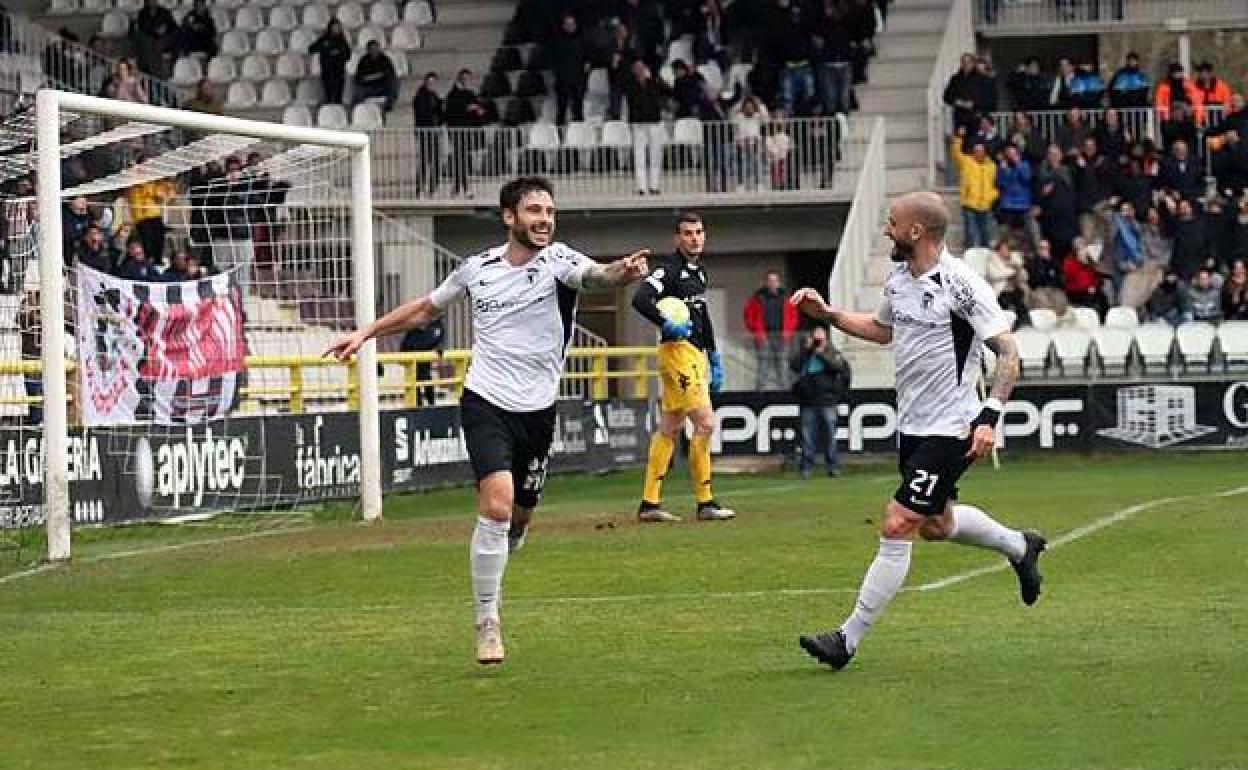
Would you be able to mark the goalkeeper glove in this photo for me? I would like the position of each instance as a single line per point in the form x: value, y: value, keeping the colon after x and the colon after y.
x: 717, y: 371
x: 676, y: 331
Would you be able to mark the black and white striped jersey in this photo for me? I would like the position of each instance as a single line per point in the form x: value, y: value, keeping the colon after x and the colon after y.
x: 522, y: 318
x: 940, y: 320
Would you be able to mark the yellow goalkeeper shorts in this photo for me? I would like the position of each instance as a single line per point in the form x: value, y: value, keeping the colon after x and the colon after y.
x: 684, y: 375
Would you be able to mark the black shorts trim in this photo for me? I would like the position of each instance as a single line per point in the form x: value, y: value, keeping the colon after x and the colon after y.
x: 930, y: 468
x: 501, y: 440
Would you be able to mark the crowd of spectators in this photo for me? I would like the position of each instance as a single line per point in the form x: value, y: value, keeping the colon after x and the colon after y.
x: 1098, y: 209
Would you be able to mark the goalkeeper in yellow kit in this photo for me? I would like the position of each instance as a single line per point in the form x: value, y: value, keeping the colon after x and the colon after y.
x: 689, y: 371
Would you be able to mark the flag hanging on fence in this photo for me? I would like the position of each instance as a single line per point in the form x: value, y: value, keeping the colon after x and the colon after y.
x: 164, y: 353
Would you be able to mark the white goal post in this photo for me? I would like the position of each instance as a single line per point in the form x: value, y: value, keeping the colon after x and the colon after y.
x: 50, y: 108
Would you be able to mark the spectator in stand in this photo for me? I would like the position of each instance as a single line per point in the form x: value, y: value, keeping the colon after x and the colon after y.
x: 1128, y: 240
x: 375, y: 78
x: 688, y: 90
x: 1190, y: 238
x: 646, y: 96
x: 834, y: 50
x: 860, y: 17
x: 778, y: 146
x: 1081, y: 279
x: 1130, y: 184
x: 207, y: 99
x: 620, y: 57
x: 645, y: 20
x: 136, y: 266
x: 1130, y: 86
x: 1213, y: 95
x: 154, y: 36
x: 126, y: 85
x: 771, y: 320
x: 791, y: 45
x: 1173, y: 89
x: 1095, y: 177
x: 1237, y: 120
x: 1112, y: 137
x: 1058, y: 214
x: 986, y: 134
x: 747, y: 124
x: 29, y: 326
x: 569, y: 59
x: 1028, y: 87
x: 1015, y: 296
x: 823, y: 382
x: 1237, y: 241
x: 984, y: 87
x: 1181, y: 175
x: 1204, y: 300
x: 960, y: 94
x: 183, y: 267
x: 147, y: 203
x: 74, y: 221
x: 1087, y: 89
x: 1230, y: 163
x: 1170, y: 301
x: 1073, y: 131
x: 463, y: 111
x: 1235, y: 293
x: 428, y: 118
x: 423, y: 339
x: 977, y: 187
x: 1158, y: 246
x: 95, y: 251
x: 334, y: 51
x: 1059, y: 92
x: 1023, y: 136
x: 198, y: 33
x: 1014, y: 187
x: 1044, y: 279
x: 1179, y: 126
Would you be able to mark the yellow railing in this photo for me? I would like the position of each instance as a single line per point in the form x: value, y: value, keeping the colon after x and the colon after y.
x: 631, y: 368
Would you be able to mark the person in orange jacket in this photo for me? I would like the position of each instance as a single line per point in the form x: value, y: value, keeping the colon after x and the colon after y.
x: 1214, y: 94
x: 1177, y: 87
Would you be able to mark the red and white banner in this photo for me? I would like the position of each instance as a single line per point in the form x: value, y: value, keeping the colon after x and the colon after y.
x: 164, y: 353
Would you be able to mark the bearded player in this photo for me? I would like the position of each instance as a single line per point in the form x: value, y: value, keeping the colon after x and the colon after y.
x: 523, y: 295
x: 689, y: 371
x: 938, y: 313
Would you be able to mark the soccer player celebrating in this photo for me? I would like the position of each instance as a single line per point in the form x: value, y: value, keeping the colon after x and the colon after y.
x: 689, y: 371
x: 523, y: 301
x: 936, y: 311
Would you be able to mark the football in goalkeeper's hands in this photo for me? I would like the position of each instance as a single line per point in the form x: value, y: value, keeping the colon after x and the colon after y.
x: 673, y: 310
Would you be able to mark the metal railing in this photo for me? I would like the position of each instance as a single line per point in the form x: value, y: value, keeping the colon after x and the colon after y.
x: 959, y: 38
x: 862, y: 226
x: 1082, y: 16
x: 795, y: 159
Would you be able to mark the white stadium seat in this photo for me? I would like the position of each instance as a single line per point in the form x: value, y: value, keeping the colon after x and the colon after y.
x: 240, y: 95
x: 1071, y: 347
x: 302, y: 39
x: 230, y: 3
x: 297, y: 115
x: 187, y: 71
x: 1043, y: 319
x: 351, y: 15
x: 687, y: 131
x: 1113, y: 346
x: 130, y: 6
x: 331, y: 116
x: 1122, y: 317
x: 270, y: 42
x: 63, y: 7
x: 283, y: 17
x: 713, y: 76
x: 249, y: 19
x: 1033, y: 350
x: 406, y: 37
x: 977, y: 259
x: 383, y: 14
x: 290, y: 66
x: 115, y: 24
x: 617, y: 134
x: 1233, y: 339
x: 308, y: 93
x: 599, y: 83
x: 256, y: 68
x: 96, y: 6
x: 276, y: 93
x: 366, y: 115
x: 1195, y: 340
x: 418, y: 12
x: 1010, y: 315
x: 235, y: 43
x: 580, y: 136
x: 1086, y: 318
x: 1154, y: 341
x: 543, y: 136
x: 221, y: 18
x: 221, y: 69
x: 681, y: 48
x: 316, y: 18
x: 367, y: 34
x: 399, y: 59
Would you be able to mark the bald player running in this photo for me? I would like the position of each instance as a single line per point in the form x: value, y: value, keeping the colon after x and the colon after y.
x: 938, y: 313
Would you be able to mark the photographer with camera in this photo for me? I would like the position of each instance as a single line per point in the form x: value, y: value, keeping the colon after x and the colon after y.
x: 823, y: 379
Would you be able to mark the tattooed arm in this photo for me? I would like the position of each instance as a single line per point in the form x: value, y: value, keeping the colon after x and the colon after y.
x: 983, y: 427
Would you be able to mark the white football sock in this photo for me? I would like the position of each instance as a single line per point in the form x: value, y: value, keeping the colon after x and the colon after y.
x: 883, y: 580
x: 489, y: 560
x: 971, y: 526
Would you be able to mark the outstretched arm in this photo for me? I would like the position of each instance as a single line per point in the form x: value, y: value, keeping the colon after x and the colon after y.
x: 861, y: 325
x: 621, y: 272
x: 413, y: 313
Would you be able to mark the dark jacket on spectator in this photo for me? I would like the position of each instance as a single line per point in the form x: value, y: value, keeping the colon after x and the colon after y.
x: 73, y: 226
x: 1186, y: 178
x: 375, y: 70
x: 567, y: 58
x: 690, y: 92
x: 103, y: 259
x: 1129, y: 87
x: 1230, y: 167
x: 1070, y: 135
x: 1027, y: 91
x: 1059, y: 215
x: 1173, y: 130
x: 458, y: 100
x: 1234, y: 305
x: 427, y: 108
x: 1191, y: 246
x: 645, y: 100
x: 156, y: 22
x: 960, y: 95
x: 198, y: 34
x: 1112, y: 143
x: 826, y: 387
x: 1043, y: 273
x: 335, y: 52
x: 138, y: 271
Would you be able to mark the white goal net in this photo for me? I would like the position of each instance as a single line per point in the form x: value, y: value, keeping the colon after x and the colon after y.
x: 169, y: 283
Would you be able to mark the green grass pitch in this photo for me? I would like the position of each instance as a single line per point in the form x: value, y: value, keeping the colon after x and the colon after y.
x: 332, y: 645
